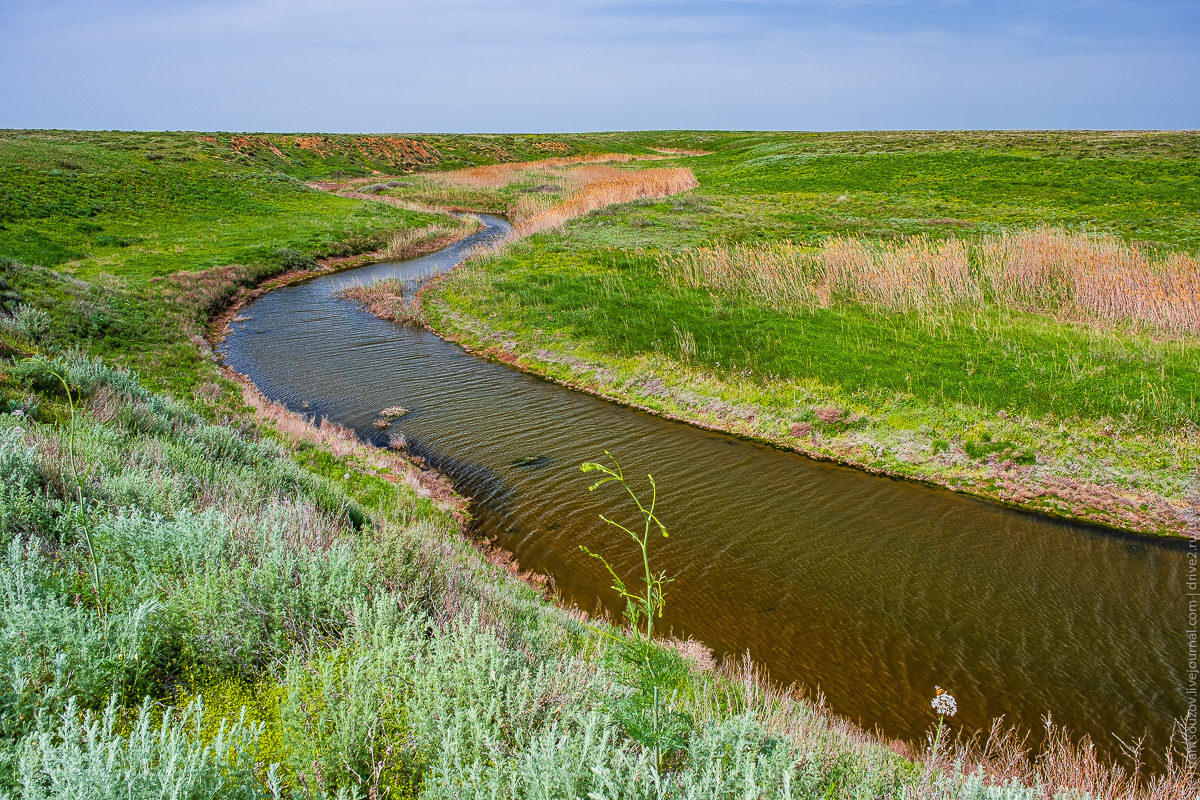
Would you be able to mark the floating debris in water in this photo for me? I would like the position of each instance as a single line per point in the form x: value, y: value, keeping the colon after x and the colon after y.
x: 381, y: 424
x: 531, y: 461
x: 395, y: 412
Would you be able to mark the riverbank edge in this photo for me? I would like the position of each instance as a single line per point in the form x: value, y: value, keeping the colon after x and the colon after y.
x: 218, y: 324
x: 394, y: 467
x: 1160, y: 524
x: 1052, y: 504
x: 426, y: 481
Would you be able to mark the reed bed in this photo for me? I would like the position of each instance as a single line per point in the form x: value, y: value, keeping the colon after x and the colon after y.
x: 1047, y: 270
x: 597, y: 187
x: 497, y: 176
x: 573, y: 187
x: 387, y: 299
x: 411, y: 242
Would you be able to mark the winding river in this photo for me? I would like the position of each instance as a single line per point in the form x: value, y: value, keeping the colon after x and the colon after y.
x: 867, y: 590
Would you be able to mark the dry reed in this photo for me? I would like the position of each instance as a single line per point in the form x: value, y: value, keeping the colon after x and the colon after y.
x: 1059, y: 766
x: 586, y: 187
x: 1073, y: 276
x: 597, y: 187
x: 412, y: 242
x: 386, y: 299
x: 497, y: 176
x: 678, y: 151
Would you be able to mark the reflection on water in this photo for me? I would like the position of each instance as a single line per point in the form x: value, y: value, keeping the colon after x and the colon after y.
x: 867, y: 589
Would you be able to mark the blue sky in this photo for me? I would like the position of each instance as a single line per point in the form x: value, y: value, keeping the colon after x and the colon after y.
x: 540, y: 66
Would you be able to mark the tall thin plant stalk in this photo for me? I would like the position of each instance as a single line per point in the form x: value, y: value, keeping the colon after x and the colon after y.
x: 78, y: 486
x: 647, y: 603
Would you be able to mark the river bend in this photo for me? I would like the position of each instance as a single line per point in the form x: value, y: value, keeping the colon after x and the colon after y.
x: 866, y: 589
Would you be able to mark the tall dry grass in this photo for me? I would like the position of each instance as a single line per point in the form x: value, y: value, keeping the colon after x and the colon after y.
x: 1096, y: 277
x: 497, y: 176
x: 1062, y: 765
x: 1069, y: 275
x: 387, y: 299
x: 596, y: 187
x: 412, y: 242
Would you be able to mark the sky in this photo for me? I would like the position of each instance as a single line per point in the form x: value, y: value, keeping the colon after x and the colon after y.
x: 591, y: 65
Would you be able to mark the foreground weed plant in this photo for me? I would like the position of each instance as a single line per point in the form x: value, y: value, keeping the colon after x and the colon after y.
x: 647, y: 720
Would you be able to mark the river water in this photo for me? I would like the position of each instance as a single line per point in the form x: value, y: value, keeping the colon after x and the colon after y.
x: 868, y: 590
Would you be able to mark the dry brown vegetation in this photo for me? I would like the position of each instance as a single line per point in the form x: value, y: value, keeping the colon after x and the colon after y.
x: 596, y: 187
x: 676, y: 151
x: 385, y: 299
x: 585, y: 186
x: 1059, y: 766
x: 497, y: 176
x: 572, y: 186
x: 1062, y: 766
x: 410, y: 242
x: 1072, y: 276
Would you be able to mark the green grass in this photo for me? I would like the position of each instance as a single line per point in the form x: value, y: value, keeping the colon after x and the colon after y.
x: 592, y: 292
x: 989, y: 358
x: 118, y: 214
x: 804, y: 189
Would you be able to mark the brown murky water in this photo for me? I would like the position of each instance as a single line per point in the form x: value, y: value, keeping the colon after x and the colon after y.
x: 868, y: 590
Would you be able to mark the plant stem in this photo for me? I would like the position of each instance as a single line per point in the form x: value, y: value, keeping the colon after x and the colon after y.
x: 87, y: 536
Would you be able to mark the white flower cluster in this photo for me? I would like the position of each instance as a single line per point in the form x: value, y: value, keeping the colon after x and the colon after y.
x: 944, y: 704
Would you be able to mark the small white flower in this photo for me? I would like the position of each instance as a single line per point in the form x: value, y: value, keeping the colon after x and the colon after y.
x: 18, y: 413
x: 944, y: 704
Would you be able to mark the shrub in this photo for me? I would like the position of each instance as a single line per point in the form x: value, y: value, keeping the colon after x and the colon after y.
x: 290, y: 259
x: 28, y: 322
x: 93, y: 758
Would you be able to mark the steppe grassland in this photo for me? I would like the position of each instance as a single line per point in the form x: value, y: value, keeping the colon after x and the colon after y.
x: 268, y: 566
x: 1046, y: 393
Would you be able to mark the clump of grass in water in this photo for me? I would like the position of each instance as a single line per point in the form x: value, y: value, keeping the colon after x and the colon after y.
x: 388, y: 299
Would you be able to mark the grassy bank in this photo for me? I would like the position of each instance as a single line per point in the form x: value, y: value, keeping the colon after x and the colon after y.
x: 836, y: 333
x: 276, y: 610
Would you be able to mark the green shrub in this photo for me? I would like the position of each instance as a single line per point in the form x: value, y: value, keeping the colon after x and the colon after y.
x: 94, y: 758
x: 289, y: 259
